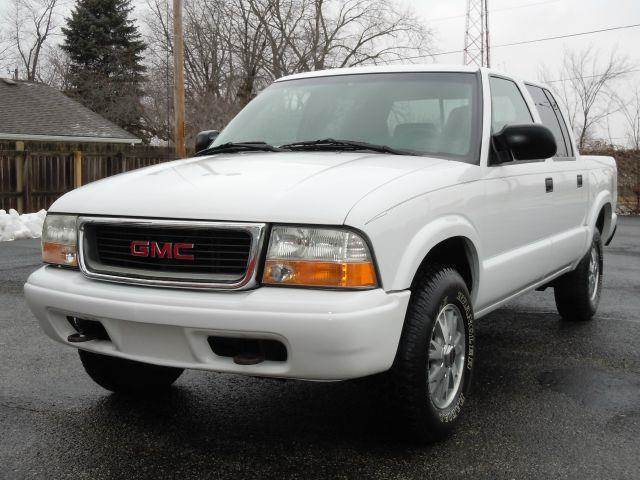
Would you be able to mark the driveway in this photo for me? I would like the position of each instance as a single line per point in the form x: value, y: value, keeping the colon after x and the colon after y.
x: 550, y: 400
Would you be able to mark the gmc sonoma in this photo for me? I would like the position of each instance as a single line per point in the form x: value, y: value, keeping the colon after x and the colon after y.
x: 345, y: 223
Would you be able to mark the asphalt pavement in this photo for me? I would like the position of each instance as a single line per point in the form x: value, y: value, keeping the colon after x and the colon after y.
x: 549, y: 400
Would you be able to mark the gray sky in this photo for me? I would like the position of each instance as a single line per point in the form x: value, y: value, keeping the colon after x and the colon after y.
x: 517, y: 20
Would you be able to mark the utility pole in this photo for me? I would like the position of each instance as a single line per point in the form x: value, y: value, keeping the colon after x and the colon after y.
x: 476, y: 34
x: 178, y: 79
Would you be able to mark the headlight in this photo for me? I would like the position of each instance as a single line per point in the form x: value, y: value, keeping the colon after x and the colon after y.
x: 59, y: 240
x: 318, y: 257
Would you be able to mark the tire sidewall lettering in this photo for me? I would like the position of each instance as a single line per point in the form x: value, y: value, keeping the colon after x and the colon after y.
x: 461, y: 300
x: 469, y: 324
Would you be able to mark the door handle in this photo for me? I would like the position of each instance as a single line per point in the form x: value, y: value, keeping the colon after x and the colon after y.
x: 548, y: 183
x: 579, y: 181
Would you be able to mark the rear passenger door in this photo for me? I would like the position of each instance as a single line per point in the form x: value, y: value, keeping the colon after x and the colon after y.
x: 570, y: 195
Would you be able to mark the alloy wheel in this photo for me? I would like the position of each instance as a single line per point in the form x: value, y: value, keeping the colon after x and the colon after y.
x: 446, y: 356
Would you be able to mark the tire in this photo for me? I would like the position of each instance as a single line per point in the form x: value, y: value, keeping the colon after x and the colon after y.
x: 578, y: 292
x: 127, y: 376
x: 416, y: 394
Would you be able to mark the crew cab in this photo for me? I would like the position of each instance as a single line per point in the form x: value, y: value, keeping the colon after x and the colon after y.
x: 345, y: 223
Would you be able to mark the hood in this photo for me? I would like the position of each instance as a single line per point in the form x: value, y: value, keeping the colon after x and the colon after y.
x: 303, y: 187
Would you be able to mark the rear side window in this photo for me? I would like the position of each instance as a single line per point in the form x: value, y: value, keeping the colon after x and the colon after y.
x: 563, y: 124
x: 507, y: 104
x: 552, y: 119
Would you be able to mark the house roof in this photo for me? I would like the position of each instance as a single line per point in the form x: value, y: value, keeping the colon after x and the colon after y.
x: 35, y: 111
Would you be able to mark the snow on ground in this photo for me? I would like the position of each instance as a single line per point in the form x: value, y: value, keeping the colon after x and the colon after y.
x: 14, y: 226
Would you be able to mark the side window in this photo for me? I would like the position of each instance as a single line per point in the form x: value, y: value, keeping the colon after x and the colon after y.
x: 549, y: 118
x: 507, y: 104
x: 563, y: 124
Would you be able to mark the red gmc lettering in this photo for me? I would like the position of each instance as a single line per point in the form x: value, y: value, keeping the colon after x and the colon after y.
x: 161, y: 252
x: 139, y: 248
x: 178, y: 251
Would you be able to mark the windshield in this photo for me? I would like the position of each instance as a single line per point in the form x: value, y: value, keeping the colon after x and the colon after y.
x: 434, y: 114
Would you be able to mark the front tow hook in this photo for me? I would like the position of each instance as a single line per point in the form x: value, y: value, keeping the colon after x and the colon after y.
x: 80, y: 337
x: 248, y: 359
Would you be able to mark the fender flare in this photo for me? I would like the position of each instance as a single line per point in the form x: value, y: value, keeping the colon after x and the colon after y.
x: 428, y: 237
x: 601, y: 200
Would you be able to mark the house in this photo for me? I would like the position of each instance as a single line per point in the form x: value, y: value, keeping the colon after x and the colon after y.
x: 31, y: 111
x: 50, y: 144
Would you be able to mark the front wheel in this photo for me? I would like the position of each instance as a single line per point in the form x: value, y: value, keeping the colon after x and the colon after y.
x: 577, y: 293
x: 127, y: 376
x: 431, y: 375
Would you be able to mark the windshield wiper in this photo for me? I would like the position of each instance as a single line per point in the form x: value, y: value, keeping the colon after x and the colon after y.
x: 230, y: 147
x: 330, y: 143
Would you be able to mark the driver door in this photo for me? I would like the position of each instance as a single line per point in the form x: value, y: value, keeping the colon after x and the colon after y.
x: 515, y: 227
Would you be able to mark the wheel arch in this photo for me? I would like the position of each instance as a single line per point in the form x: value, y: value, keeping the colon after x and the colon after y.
x: 601, y: 215
x: 450, y: 240
x: 603, y: 220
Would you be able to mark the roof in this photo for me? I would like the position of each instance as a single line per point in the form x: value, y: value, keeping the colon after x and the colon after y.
x: 35, y: 111
x: 384, y: 69
x: 406, y: 68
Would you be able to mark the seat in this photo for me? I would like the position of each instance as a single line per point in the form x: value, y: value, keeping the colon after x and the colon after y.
x: 415, y: 136
x: 456, y: 134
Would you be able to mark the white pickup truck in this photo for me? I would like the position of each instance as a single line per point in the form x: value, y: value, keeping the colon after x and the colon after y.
x: 346, y: 223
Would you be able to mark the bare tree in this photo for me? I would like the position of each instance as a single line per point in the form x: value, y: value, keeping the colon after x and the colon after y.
x: 316, y: 34
x: 209, y: 65
x: 55, y: 68
x: 583, y: 84
x: 234, y: 48
x: 4, y: 51
x: 31, y: 23
x: 630, y: 109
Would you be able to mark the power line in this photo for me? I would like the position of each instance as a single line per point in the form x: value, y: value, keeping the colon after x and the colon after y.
x: 557, y: 37
x: 585, y: 77
x: 535, y: 40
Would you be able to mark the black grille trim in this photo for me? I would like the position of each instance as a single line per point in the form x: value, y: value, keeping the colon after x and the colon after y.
x: 225, y: 253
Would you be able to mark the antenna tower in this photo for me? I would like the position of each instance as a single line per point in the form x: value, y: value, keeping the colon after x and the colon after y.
x: 476, y: 34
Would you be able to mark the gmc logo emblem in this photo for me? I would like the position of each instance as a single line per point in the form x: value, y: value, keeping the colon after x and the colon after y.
x: 178, y: 251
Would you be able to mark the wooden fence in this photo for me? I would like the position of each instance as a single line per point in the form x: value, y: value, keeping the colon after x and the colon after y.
x: 34, y: 175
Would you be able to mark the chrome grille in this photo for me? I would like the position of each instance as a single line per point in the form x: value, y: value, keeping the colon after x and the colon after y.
x: 170, y: 253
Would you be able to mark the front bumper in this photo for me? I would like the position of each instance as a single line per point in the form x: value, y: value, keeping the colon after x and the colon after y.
x: 329, y: 335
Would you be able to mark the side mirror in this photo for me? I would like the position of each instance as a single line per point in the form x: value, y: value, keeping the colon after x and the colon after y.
x: 204, y: 139
x: 524, y: 142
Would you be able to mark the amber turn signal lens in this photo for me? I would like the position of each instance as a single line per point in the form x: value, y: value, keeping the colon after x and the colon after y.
x: 59, y: 254
x: 319, y: 274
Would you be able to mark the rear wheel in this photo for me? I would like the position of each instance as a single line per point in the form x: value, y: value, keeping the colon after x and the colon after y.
x: 432, y: 371
x: 127, y: 376
x: 578, y: 292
